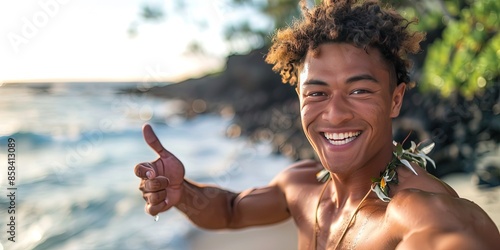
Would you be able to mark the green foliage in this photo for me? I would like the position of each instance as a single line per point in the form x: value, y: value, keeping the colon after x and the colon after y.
x: 428, y: 21
x: 417, y: 154
x: 281, y: 12
x: 466, y: 58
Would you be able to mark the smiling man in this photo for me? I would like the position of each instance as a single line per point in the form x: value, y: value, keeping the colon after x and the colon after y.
x: 348, y: 62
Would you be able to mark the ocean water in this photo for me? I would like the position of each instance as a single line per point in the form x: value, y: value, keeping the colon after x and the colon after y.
x: 76, y: 145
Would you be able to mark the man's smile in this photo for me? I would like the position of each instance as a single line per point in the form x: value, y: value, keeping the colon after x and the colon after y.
x: 338, y: 139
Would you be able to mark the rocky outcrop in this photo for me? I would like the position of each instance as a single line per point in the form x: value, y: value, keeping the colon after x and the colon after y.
x: 264, y: 108
x: 465, y: 130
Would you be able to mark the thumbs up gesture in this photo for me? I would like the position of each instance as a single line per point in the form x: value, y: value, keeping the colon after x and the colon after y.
x: 161, y: 179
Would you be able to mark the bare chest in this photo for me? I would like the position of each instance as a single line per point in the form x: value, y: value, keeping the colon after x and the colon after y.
x: 367, y: 229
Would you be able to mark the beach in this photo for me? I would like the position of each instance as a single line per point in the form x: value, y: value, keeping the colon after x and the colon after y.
x: 279, y: 236
x: 76, y: 148
x: 77, y: 145
x: 284, y: 235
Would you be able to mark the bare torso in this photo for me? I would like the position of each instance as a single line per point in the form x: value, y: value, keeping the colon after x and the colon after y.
x: 377, y: 224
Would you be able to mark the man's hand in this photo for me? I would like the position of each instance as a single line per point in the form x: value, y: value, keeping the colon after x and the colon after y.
x: 161, y: 179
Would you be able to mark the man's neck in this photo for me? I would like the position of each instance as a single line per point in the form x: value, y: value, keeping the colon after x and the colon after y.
x: 348, y: 189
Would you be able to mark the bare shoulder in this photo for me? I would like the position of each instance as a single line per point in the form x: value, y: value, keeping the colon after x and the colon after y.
x: 441, y: 220
x: 305, y: 165
x: 422, y: 181
x: 434, y: 208
x: 300, y: 172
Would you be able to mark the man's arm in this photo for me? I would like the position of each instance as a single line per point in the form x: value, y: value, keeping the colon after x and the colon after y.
x: 215, y: 208
x: 163, y: 185
x: 439, y: 221
x: 212, y: 207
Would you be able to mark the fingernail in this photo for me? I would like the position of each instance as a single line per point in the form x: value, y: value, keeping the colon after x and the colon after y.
x: 148, y: 174
x: 166, y: 201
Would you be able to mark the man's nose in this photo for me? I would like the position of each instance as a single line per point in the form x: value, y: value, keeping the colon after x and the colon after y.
x: 338, y: 110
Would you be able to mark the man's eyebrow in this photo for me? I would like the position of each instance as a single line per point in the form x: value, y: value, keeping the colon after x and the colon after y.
x: 361, y: 77
x: 349, y: 80
x: 315, y: 82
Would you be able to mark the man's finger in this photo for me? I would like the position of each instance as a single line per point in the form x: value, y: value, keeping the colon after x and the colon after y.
x: 156, y: 197
x: 145, y: 170
x: 156, y: 209
x: 153, y: 141
x: 156, y: 184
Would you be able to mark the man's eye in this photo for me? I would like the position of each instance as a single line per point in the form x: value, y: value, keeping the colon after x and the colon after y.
x: 360, y: 91
x: 316, y: 94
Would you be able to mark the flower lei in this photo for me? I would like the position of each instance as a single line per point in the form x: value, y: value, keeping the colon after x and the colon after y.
x: 417, y: 153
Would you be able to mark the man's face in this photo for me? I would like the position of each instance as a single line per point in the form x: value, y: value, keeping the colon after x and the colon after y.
x: 347, y: 104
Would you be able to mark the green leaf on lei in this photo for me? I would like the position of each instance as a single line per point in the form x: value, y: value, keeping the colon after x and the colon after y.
x: 416, y: 154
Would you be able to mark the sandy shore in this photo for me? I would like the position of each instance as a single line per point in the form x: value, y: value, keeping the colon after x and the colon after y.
x: 488, y: 199
x: 280, y: 236
x: 284, y: 235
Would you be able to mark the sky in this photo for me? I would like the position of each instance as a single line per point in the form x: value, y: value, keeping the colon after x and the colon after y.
x: 65, y: 40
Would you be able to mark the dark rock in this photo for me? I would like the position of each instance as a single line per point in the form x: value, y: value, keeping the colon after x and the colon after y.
x: 488, y: 170
x: 464, y: 130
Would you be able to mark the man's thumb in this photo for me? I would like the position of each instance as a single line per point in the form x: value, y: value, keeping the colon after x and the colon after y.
x: 153, y: 141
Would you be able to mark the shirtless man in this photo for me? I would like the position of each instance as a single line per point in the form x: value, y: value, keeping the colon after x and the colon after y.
x: 348, y: 62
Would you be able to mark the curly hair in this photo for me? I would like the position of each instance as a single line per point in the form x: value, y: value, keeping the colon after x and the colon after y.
x: 363, y: 24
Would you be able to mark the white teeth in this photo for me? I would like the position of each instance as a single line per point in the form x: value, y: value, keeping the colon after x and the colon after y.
x: 341, y: 138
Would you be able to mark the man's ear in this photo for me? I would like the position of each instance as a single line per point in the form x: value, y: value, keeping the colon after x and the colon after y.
x: 297, y: 90
x: 397, y: 99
